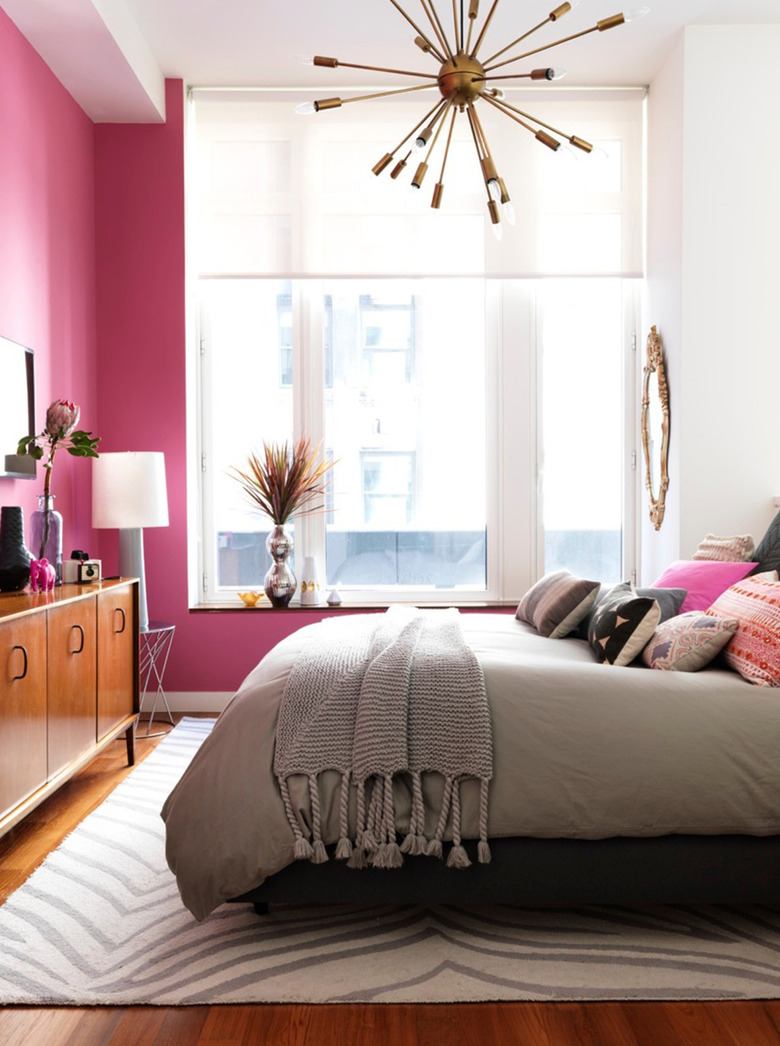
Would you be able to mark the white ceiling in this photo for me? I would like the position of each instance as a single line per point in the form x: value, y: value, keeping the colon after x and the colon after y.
x: 113, y: 55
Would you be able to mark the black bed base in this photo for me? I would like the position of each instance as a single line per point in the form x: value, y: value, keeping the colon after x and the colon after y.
x: 670, y: 869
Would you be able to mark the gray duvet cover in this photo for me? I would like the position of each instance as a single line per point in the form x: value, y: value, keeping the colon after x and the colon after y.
x: 581, y: 750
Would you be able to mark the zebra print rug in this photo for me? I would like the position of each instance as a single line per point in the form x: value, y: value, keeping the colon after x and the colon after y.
x: 101, y: 922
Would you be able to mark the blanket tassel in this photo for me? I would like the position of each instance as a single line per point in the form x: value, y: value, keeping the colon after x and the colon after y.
x: 357, y: 859
x: 415, y: 842
x: 435, y: 847
x: 457, y: 857
x: 369, y: 841
x: 319, y: 853
x: 389, y: 854
x: 483, y: 849
x: 344, y: 847
x: 302, y: 848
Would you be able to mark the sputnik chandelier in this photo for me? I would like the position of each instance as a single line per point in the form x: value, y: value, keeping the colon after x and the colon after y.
x: 463, y: 79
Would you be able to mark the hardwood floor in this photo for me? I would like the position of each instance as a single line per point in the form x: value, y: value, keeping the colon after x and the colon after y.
x: 486, y: 1024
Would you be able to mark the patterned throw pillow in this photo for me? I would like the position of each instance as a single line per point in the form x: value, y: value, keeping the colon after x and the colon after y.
x: 556, y: 604
x: 767, y: 552
x: 668, y: 599
x: 754, y: 650
x: 741, y: 546
x: 704, y: 579
x: 688, y: 642
x: 622, y: 625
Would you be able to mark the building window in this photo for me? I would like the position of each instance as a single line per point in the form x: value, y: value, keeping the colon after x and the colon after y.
x: 388, y: 488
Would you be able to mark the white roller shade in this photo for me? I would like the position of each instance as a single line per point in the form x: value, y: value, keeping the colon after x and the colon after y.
x: 276, y: 194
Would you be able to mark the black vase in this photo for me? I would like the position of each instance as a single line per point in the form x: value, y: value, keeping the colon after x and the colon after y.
x: 15, y: 558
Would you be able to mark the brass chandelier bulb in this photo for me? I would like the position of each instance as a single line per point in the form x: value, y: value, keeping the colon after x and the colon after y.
x: 463, y: 80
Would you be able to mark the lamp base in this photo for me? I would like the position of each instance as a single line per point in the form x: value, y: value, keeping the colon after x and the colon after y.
x: 131, y: 564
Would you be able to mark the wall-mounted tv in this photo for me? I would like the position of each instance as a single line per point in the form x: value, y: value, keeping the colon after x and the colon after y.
x: 17, y: 408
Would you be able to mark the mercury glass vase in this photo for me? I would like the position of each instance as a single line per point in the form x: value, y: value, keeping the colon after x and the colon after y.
x: 280, y: 581
x: 15, y: 557
x: 46, y: 533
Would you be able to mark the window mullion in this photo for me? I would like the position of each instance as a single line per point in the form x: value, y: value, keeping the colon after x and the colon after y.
x: 517, y: 454
x: 207, y: 558
x: 308, y: 402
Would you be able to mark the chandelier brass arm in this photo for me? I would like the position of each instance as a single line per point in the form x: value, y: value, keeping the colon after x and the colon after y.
x: 541, y: 136
x: 334, y: 63
x: 389, y: 157
x: 473, y: 15
x: 553, y: 16
x: 486, y: 164
x: 485, y: 27
x: 458, y: 23
x: 422, y: 168
x: 572, y: 139
x: 418, y: 30
x: 462, y: 81
x: 438, y: 190
x: 438, y: 29
x: 336, y: 103
x: 600, y: 27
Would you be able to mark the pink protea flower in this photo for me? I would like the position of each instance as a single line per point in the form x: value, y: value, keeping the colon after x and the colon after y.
x: 61, y: 419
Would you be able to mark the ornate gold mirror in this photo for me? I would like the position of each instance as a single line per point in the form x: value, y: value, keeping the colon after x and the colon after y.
x: 655, y: 428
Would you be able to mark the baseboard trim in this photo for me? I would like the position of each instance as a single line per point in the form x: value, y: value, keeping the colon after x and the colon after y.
x: 193, y: 701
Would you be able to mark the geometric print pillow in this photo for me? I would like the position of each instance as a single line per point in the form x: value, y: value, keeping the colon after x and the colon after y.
x: 754, y: 649
x: 622, y: 625
x: 688, y: 642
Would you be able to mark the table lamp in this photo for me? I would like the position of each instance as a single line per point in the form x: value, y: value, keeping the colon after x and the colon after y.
x: 129, y: 493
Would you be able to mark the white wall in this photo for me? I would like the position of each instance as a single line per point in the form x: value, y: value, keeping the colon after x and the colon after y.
x: 713, y: 266
x: 664, y: 288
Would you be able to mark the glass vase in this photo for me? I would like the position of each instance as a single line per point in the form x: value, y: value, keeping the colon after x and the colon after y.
x: 46, y: 533
x: 280, y: 581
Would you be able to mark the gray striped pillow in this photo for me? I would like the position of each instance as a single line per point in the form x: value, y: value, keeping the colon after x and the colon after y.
x: 557, y: 603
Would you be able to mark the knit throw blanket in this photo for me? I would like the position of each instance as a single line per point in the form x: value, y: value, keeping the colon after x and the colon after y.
x: 396, y: 694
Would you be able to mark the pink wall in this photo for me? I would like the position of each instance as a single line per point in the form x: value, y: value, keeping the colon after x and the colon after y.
x: 141, y: 375
x: 47, y: 258
x: 92, y: 277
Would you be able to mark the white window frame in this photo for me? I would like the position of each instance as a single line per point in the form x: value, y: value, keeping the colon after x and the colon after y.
x: 514, y: 524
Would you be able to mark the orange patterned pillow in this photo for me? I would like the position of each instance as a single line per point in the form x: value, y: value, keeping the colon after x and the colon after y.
x: 754, y: 650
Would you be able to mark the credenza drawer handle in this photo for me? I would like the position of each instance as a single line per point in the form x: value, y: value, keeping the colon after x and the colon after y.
x: 24, y: 670
x: 81, y: 634
x: 122, y: 621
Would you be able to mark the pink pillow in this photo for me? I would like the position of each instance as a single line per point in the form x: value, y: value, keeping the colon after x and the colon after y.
x: 704, y: 580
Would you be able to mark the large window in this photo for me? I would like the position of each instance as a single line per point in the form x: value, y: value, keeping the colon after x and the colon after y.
x: 472, y: 394
x: 392, y: 385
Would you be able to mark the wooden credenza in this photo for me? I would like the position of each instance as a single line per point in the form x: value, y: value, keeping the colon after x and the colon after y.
x: 68, y: 686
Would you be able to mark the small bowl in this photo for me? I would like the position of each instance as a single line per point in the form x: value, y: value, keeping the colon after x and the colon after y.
x: 251, y: 598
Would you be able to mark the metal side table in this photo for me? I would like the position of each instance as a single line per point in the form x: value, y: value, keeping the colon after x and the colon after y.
x: 155, y: 646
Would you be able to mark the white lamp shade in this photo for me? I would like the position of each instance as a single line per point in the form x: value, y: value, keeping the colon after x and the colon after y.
x: 128, y: 490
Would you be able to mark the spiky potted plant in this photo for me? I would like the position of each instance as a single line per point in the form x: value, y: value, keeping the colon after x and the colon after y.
x: 284, y: 480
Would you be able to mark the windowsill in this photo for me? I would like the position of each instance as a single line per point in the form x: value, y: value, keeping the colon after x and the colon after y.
x: 325, y: 608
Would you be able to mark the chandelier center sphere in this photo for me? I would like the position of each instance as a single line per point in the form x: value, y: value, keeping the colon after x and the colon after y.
x: 461, y: 79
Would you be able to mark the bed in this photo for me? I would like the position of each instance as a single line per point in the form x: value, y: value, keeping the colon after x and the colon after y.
x: 610, y: 785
